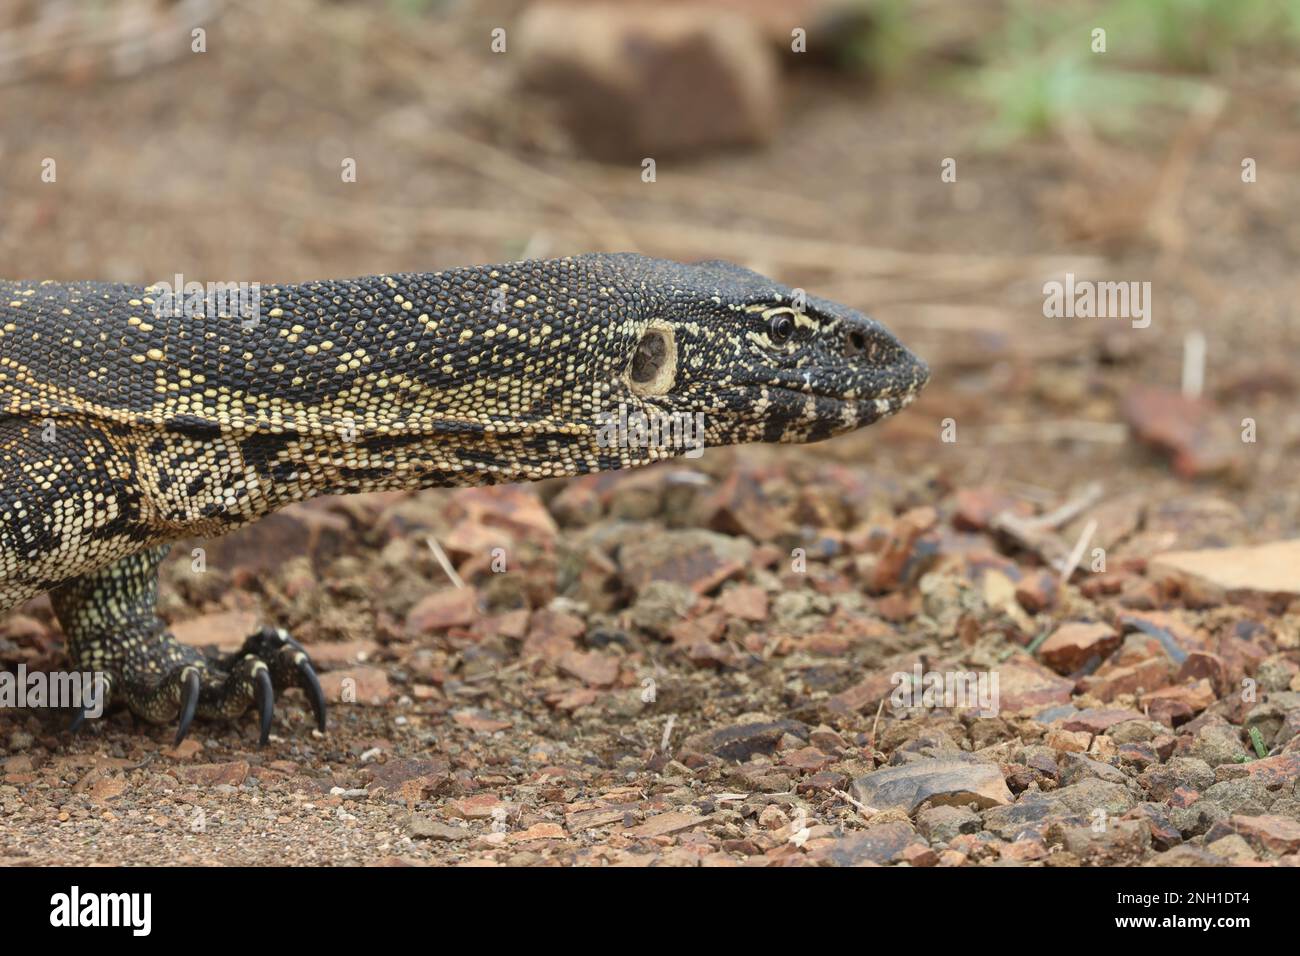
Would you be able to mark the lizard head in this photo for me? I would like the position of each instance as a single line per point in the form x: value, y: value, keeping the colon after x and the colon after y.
x: 759, y: 360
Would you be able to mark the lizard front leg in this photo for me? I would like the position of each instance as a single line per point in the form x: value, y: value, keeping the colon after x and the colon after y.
x: 112, y: 628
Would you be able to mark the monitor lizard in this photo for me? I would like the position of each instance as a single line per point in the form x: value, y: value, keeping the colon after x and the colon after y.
x: 130, y: 419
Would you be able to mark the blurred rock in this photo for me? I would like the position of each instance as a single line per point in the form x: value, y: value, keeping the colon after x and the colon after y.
x: 1024, y: 684
x: 742, y: 741
x: 660, y: 606
x: 311, y: 528
x: 450, y: 607
x: 1191, y: 431
x: 1075, y: 643
x: 225, y: 630
x: 745, y: 601
x: 740, y: 506
x: 701, y: 560
x: 591, y: 667
x: 1273, y: 834
x: 1265, y: 569
x: 952, y: 782
x: 1119, y: 842
x: 878, y: 845
x: 944, y: 823
x: 359, y: 685
x: 633, y: 81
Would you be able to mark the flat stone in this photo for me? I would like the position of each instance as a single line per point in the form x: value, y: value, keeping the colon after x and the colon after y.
x: 421, y: 828
x: 1030, y: 814
x: 665, y: 824
x: 480, y: 720
x: 515, y: 509
x: 1232, y: 848
x: 894, y: 557
x: 1120, y: 841
x: 1280, y: 771
x: 1099, y: 721
x: 1024, y: 684
x: 552, y: 634
x: 864, y: 695
x: 741, y: 741
x: 310, y: 528
x: 916, y: 854
x: 480, y: 806
x: 341, y: 653
x: 1163, y: 833
x: 1219, y: 744
x: 1024, y: 850
x: 700, y: 560
x: 1191, y: 431
x: 950, y: 782
x: 538, y: 831
x: 225, y: 630
x: 746, y: 601
x: 943, y: 824
x: 1075, y: 643
x: 1114, y: 680
x: 592, y: 667
x: 450, y: 607
x: 876, y: 845
x: 1179, y: 702
x: 1185, y: 855
x: 412, y: 776
x: 977, y: 507
x: 1077, y: 766
x: 1091, y: 794
x: 358, y: 685
x: 740, y: 506
x: 1280, y: 835
x: 1264, y: 569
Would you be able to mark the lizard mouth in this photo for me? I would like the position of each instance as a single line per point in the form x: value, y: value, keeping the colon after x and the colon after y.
x: 866, y: 410
x: 884, y: 392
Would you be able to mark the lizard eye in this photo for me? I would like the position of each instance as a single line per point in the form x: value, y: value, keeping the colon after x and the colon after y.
x: 780, y: 329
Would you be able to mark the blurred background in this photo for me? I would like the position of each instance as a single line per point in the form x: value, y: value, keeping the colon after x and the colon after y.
x: 807, y: 139
x: 934, y: 164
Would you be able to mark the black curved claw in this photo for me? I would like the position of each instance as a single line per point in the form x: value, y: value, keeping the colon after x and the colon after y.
x: 312, y: 687
x: 189, y: 703
x: 77, y: 721
x: 264, y: 696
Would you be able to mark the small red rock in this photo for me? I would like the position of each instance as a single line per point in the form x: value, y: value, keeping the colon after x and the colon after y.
x: 480, y: 721
x: 593, y: 667
x: 745, y: 601
x: 1074, y: 644
x: 1271, y: 832
x: 450, y: 607
x: 914, y: 854
x: 226, y: 630
x: 1026, y: 848
x: 894, y: 556
x: 357, y: 685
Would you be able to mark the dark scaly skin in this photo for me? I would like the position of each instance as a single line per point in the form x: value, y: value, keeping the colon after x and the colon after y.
x: 122, y: 430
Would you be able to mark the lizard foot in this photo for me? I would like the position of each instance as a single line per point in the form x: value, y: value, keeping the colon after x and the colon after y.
x: 285, y: 662
x: 113, y: 630
x: 179, y: 683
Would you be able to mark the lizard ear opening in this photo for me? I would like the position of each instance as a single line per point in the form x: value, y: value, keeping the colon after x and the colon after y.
x: 654, y: 363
